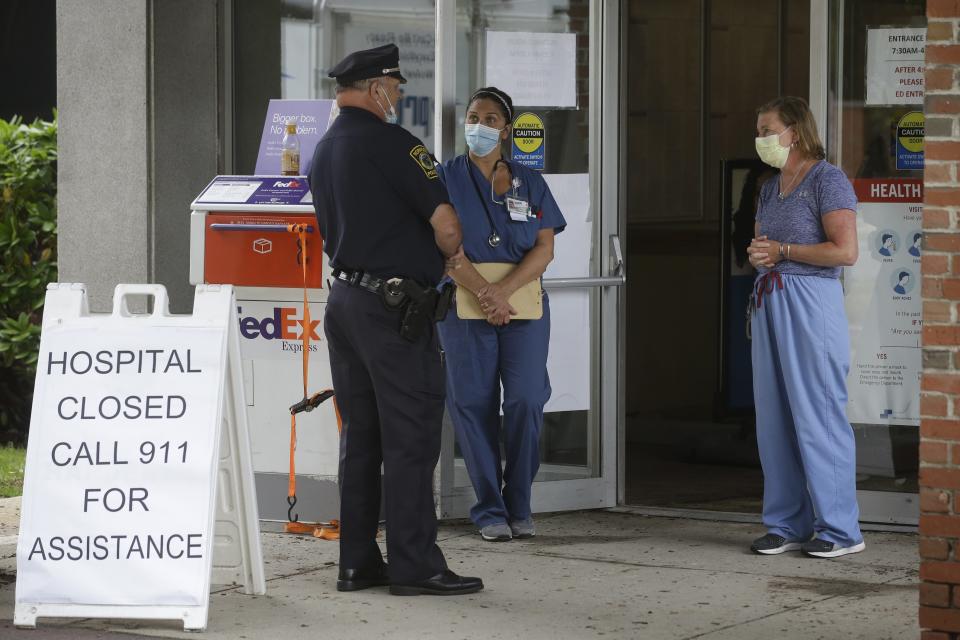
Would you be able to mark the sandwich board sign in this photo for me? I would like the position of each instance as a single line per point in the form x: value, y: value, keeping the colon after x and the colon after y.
x: 138, y: 490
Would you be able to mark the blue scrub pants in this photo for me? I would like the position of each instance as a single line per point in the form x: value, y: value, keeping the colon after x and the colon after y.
x: 481, y: 357
x: 801, y: 355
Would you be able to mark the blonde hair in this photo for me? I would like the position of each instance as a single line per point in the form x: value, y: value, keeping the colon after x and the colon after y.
x: 794, y: 112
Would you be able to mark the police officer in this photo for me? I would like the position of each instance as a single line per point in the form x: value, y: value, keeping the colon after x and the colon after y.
x: 387, y: 226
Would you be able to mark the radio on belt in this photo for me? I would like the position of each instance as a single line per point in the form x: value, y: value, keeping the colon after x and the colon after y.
x: 239, y: 235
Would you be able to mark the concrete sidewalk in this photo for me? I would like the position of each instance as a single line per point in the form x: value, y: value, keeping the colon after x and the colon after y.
x: 596, y: 574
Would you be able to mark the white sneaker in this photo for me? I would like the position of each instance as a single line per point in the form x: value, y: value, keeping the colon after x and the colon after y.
x: 819, y: 548
x: 771, y: 544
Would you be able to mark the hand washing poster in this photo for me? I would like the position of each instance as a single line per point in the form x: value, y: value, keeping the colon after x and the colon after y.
x: 884, y: 305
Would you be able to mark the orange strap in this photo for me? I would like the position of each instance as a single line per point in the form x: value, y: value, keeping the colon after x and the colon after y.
x: 330, y: 530
x: 301, y: 231
x: 336, y: 409
x: 292, y: 480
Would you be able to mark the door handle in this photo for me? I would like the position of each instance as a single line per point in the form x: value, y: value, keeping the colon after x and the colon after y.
x: 617, y: 277
x: 616, y: 258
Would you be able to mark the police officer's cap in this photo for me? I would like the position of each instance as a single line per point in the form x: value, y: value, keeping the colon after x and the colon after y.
x: 369, y: 63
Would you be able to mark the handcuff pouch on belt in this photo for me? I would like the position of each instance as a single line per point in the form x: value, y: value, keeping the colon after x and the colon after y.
x: 419, y: 307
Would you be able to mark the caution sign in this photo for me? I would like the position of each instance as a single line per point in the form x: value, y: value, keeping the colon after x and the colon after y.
x: 909, y: 146
x: 529, y: 141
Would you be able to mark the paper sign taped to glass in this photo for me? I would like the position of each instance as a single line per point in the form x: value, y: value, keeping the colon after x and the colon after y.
x: 527, y: 300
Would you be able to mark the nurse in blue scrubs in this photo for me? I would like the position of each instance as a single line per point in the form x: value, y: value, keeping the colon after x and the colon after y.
x: 508, y: 215
x: 806, y: 231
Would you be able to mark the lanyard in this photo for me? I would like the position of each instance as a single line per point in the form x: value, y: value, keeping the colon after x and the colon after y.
x: 494, y: 239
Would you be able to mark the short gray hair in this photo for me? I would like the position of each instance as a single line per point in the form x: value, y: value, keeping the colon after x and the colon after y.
x: 360, y: 85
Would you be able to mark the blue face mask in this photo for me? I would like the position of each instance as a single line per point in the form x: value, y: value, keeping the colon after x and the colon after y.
x: 390, y: 117
x: 481, y: 139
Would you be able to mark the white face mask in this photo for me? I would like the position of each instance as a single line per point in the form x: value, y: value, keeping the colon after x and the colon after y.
x: 771, y: 151
x: 390, y: 116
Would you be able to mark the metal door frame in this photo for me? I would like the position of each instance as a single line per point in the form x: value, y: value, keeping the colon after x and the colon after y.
x: 607, y: 195
x: 826, y: 45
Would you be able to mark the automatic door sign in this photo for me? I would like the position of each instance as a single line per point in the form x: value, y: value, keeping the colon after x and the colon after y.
x: 529, y: 142
x: 910, y: 132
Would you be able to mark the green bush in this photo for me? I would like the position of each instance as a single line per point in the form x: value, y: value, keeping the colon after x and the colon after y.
x: 28, y: 260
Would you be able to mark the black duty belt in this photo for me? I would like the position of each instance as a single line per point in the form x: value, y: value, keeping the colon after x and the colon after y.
x: 359, y: 279
x: 419, y: 307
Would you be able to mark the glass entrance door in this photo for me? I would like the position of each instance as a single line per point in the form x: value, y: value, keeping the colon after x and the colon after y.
x: 873, y: 97
x: 559, y: 60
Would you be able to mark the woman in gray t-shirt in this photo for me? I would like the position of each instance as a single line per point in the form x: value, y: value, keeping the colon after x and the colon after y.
x: 805, y: 232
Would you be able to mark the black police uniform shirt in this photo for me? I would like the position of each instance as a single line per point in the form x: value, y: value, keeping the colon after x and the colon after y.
x: 375, y: 188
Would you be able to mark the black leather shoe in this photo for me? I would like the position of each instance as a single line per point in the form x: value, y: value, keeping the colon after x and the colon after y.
x: 356, y: 579
x: 446, y: 583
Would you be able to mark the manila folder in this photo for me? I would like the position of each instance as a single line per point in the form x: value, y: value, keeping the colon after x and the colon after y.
x: 527, y: 300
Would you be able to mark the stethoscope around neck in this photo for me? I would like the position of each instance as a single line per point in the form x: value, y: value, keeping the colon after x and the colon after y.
x: 494, y: 238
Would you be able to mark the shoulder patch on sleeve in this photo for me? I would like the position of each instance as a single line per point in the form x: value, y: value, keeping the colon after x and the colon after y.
x: 424, y: 160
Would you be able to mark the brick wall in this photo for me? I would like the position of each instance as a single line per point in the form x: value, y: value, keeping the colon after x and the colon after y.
x: 940, y: 388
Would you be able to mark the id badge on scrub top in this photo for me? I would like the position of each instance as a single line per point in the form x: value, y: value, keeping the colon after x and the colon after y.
x: 519, y: 209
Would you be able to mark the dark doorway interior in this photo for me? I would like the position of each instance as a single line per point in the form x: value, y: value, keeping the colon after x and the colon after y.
x: 28, y: 59
x: 697, y: 70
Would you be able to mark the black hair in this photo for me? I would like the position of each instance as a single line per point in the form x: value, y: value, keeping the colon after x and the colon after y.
x: 500, y: 97
x: 917, y: 236
x: 885, y: 237
x: 903, y: 274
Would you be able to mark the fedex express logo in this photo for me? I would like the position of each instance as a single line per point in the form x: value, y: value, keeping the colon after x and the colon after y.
x: 292, y: 184
x: 283, y: 325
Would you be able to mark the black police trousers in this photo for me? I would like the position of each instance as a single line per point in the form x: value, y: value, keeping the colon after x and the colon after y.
x: 390, y: 395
